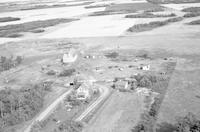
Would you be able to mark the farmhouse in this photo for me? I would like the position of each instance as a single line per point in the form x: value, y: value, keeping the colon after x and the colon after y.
x: 83, y: 92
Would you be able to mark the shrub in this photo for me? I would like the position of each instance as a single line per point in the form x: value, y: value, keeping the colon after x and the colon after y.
x: 14, y: 35
x: 188, y: 123
x: 192, y: 14
x: 192, y: 9
x: 112, y: 55
x: 51, y: 72
x: 152, y: 25
x: 9, y: 19
x: 8, y: 63
x: 196, y: 22
x: 67, y: 72
x: 70, y: 126
x: 37, y: 127
x: 145, y: 82
x: 37, y: 31
x: 176, y: 19
x: 149, y: 15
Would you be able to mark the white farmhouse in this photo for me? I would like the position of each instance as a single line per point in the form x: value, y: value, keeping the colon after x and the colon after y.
x: 83, y: 92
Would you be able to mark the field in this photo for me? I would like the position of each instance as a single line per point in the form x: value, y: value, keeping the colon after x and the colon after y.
x: 141, y: 58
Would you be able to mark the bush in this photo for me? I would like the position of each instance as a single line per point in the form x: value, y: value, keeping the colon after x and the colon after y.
x: 145, y: 82
x: 70, y: 126
x: 38, y: 31
x: 9, y: 19
x: 192, y: 9
x: 192, y: 14
x: 188, y: 123
x: 37, y: 127
x: 51, y: 72
x: 68, y: 72
x: 176, y: 19
x: 8, y: 63
x: 15, y: 35
x: 112, y: 55
x: 196, y: 22
x: 149, y: 15
x: 152, y: 25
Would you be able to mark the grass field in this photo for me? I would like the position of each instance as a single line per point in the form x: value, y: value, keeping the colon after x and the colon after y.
x: 15, y: 30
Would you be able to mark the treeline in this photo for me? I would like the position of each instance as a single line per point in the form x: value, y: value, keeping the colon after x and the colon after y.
x: 149, y: 15
x: 17, y: 106
x: 8, y: 63
x: 151, y: 25
x: 158, y: 84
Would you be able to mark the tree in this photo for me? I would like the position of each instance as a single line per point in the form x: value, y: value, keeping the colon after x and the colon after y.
x: 188, y: 124
x: 19, y: 59
x: 1, y: 109
x: 145, y: 82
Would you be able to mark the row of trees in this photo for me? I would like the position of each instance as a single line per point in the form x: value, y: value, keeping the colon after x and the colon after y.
x: 8, y: 63
x: 17, y: 106
x: 188, y: 123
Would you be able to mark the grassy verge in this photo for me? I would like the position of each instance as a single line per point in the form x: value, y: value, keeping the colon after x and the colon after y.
x: 149, y: 15
x: 172, y: 1
x: 152, y: 25
x: 9, y: 30
x: 9, y: 19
